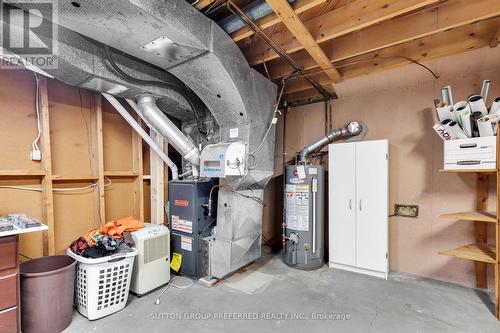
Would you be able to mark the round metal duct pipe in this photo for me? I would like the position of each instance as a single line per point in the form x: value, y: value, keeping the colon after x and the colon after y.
x: 163, y: 125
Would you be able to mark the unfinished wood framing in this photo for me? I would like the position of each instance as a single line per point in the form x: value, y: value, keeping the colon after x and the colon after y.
x: 202, y: 4
x: 157, y: 182
x: 334, y: 40
x: 98, y: 157
x: 299, y: 7
x: 480, y: 228
x: 77, y: 142
x: 300, y: 32
x: 137, y: 166
x: 430, y: 21
x: 496, y: 267
x: 345, y: 20
x: 454, y: 41
x: 47, y: 192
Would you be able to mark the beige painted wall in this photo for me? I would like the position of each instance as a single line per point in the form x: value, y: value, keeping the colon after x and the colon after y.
x: 398, y: 105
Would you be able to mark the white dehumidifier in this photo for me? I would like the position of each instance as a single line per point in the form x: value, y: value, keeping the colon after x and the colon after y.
x: 152, y: 264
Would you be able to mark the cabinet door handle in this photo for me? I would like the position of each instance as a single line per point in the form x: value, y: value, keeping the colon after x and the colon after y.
x: 360, y: 205
x: 350, y: 204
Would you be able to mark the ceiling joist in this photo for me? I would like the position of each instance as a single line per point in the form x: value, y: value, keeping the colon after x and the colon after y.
x: 443, y: 17
x: 329, y: 40
x: 472, y: 36
x: 299, y: 31
x: 201, y: 4
x: 299, y: 6
x: 352, y: 17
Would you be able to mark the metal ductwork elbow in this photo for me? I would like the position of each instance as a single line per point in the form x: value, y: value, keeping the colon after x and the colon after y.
x: 351, y: 129
x: 160, y: 122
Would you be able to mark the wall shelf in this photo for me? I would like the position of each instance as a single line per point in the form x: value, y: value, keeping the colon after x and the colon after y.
x: 479, y: 252
x: 475, y: 252
x: 121, y: 174
x: 76, y: 144
x: 73, y: 178
x: 22, y: 173
x: 471, y: 216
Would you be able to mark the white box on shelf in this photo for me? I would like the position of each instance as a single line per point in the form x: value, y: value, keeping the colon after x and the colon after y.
x: 471, y: 153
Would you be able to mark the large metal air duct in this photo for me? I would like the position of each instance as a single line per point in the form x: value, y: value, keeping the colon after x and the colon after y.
x: 163, y: 125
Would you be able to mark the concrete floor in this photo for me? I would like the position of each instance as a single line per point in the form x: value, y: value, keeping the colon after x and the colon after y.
x: 271, y: 291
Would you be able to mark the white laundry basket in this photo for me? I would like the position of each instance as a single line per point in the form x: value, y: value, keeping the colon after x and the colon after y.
x: 102, y: 284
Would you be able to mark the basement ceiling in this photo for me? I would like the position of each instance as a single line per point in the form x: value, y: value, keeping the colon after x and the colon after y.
x: 328, y: 41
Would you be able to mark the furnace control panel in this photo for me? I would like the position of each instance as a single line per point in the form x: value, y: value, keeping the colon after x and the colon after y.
x: 223, y: 159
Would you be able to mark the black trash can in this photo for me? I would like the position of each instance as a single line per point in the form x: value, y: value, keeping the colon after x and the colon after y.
x: 47, y: 289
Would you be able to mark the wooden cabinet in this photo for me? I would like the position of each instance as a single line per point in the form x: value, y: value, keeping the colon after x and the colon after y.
x: 358, y: 207
x: 9, y: 285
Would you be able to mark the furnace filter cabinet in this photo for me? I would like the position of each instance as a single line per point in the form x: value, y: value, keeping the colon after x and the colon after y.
x: 304, y: 210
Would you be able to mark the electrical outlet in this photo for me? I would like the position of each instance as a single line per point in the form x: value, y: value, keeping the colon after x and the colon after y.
x: 406, y: 210
x: 35, y: 155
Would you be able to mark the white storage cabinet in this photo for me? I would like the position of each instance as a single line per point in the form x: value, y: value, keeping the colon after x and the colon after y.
x: 358, y: 207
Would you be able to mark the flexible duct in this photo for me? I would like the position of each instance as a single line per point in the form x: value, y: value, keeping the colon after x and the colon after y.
x: 172, y: 83
x: 167, y: 129
x: 349, y: 130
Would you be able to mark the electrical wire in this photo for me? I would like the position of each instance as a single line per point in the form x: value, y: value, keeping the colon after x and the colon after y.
x: 171, y: 283
x: 34, y: 145
x: 256, y: 199
x: 86, y: 125
x: 252, y: 153
x: 349, y: 63
x: 202, y: 232
x: 213, y: 6
x: 66, y: 189
x: 178, y: 87
x: 22, y: 255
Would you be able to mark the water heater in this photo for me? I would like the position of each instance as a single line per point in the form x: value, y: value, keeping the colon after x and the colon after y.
x: 304, y: 216
x: 304, y: 196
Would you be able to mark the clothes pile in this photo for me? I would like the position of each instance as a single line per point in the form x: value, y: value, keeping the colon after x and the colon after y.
x: 108, y: 240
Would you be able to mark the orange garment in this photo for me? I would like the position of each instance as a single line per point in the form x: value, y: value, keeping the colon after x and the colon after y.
x: 116, y: 228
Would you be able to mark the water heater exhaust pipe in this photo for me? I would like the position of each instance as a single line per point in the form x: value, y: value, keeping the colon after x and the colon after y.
x: 349, y: 130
